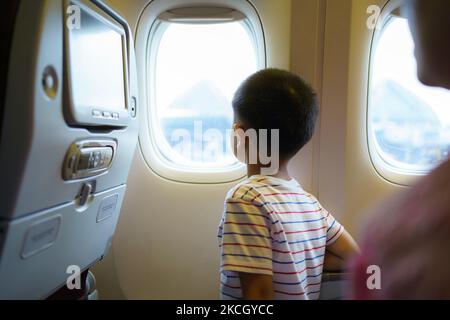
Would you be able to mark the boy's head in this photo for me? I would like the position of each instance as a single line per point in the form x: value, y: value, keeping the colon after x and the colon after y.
x: 278, y: 99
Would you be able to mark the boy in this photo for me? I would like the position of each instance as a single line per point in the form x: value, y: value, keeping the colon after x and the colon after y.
x: 274, y: 235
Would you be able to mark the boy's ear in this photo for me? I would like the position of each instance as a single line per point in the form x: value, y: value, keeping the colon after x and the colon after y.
x: 238, y: 142
x: 237, y: 126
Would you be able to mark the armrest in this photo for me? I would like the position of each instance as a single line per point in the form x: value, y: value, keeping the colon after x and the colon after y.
x: 333, y: 285
x: 335, y: 276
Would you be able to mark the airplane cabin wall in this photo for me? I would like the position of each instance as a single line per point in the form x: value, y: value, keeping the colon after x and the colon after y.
x: 344, y: 178
x: 337, y: 163
x: 364, y: 186
x: 307, y: 30
x: 166, y: 248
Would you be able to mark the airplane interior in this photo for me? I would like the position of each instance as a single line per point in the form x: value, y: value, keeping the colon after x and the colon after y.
x: 116, y: 157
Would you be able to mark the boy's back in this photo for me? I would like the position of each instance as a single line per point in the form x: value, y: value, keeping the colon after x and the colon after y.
x: 271, y: 226
x: 274, y: 235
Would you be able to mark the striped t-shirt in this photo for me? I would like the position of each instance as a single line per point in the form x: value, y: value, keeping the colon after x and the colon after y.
x: 272, y: 226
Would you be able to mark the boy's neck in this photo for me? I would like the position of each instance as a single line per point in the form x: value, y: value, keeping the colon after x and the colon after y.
x: 282, y: 173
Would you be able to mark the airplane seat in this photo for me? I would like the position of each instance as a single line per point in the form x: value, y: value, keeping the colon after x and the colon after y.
x: 7, y: 19
x: 68, y: 134
x: 91, y: 290
x: 87, y: 291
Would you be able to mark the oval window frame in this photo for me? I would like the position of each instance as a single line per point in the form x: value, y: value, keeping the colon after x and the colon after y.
x: 149, y: 31
x: 391, y: 173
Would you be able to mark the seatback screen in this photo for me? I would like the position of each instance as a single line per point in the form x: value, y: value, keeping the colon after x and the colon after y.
x: 96, y: 64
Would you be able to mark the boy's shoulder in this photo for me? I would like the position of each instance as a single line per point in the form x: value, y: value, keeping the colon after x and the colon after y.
x: 245, y: 190
x: 255, y: 187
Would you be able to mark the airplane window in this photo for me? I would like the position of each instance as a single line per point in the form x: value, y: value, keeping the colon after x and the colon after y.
x: 198, y: 67
x: 409, y: 123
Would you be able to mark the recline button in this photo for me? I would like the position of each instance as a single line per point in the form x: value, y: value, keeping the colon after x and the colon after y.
x: 86, y: 191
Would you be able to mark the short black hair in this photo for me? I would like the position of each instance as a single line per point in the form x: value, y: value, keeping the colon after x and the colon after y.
x: 278, y: 99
